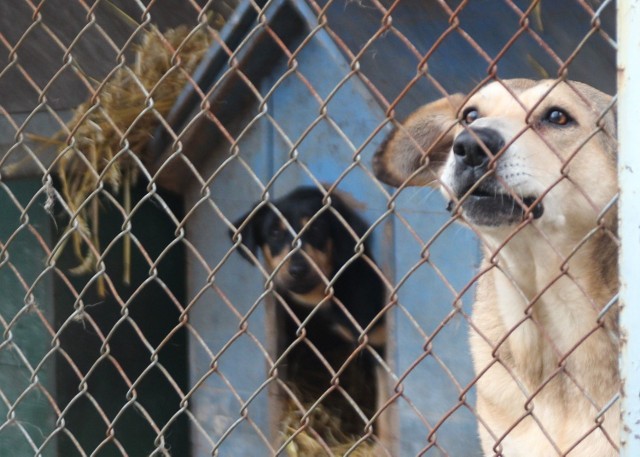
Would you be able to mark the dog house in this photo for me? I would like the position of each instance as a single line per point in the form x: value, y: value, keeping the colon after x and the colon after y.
x: 297, y: 93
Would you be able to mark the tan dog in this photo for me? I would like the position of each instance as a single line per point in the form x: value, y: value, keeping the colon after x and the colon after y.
x: 531, y: 167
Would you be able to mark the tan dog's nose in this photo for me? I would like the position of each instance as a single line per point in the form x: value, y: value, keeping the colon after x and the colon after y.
x: 475, y: 149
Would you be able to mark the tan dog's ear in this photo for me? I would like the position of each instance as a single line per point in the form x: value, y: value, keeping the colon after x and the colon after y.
x: 415, y: 152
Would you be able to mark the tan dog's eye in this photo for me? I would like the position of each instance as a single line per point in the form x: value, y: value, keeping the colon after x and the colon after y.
x: 469, y: 115
x: 558, y: 117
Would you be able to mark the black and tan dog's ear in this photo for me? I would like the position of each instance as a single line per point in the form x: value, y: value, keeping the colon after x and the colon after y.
x: 343, y: 239
x: 414, y: 153
x: 249, y: 227
x: 346, y: 205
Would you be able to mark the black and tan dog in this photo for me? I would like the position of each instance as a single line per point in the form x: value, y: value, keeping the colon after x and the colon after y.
x: 530, y: 166
x: 310, y: 250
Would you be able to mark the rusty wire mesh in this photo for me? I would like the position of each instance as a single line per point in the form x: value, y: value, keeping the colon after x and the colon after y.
x: 131, y: 324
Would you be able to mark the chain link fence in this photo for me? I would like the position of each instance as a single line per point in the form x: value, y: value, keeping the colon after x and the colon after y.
x: 226, y: 229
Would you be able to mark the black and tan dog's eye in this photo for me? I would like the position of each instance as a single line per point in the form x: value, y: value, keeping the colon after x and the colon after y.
x: 315, y: 230
x: 558, y: 116
x: 469, y: 115
x: 276, y: 233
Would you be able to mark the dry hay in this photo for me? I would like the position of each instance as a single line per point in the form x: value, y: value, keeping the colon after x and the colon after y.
x: 109, y: 133
x: 322, y: 431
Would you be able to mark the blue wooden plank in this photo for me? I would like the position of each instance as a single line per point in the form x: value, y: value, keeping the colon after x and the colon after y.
x: 229, y: 293
x: 429, y: 296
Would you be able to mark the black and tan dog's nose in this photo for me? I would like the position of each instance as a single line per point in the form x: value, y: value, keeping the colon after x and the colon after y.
x: 298, y: 266
x: 472, y: 148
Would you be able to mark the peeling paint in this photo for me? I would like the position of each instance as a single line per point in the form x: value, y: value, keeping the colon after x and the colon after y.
x: 628, y: 32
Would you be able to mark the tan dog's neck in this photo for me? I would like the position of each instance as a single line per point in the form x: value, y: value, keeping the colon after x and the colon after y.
x: 558, y: 285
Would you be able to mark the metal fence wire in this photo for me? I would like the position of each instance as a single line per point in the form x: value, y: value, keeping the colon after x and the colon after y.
x: 308, y: 228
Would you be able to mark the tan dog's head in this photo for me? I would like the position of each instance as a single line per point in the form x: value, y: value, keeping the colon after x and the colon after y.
x: 515, y: 149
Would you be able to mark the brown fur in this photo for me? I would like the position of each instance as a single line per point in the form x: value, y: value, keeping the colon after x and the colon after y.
x: 546, y: 363
x: 319, y: 259
x: 432, y: 126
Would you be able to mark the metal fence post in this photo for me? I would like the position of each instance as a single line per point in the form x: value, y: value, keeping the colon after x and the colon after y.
x: 629, y: 169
